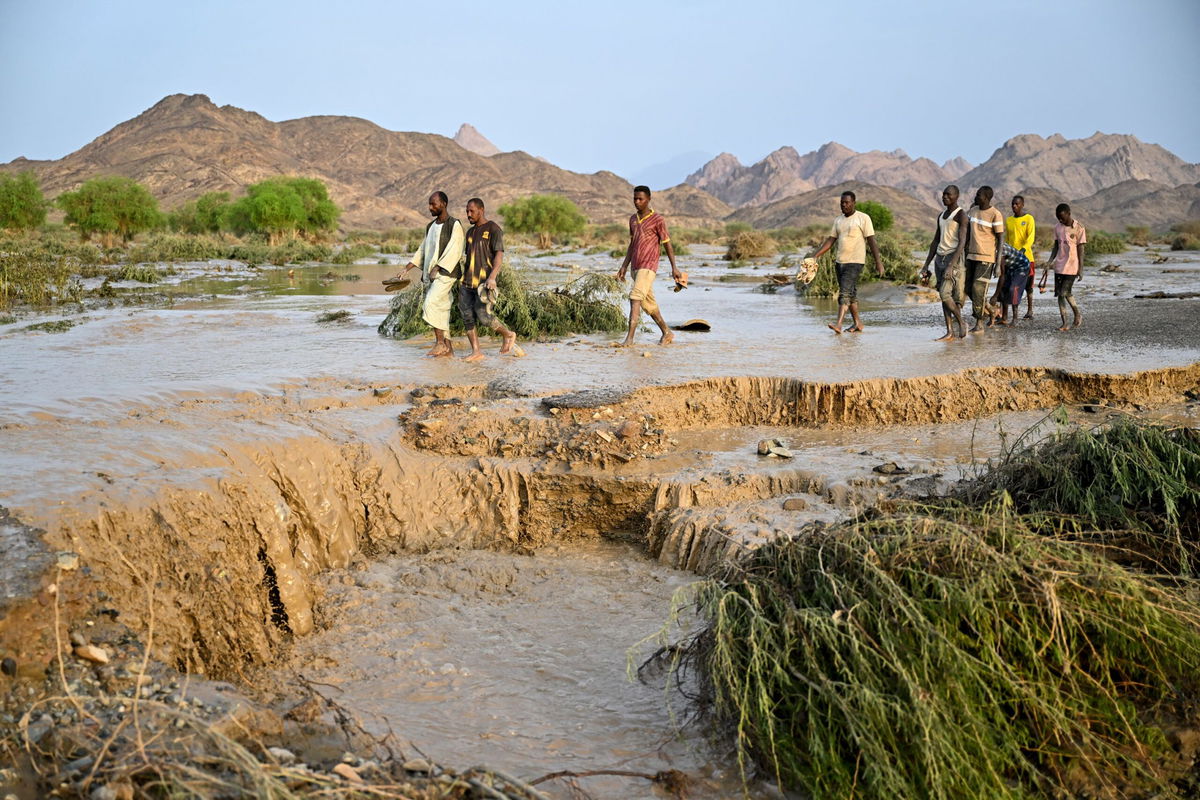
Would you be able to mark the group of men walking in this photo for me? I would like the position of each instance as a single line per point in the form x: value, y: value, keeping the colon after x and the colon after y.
x: 971, y: 246
x: 968, y: 249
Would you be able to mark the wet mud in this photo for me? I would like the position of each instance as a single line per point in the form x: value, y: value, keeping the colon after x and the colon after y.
x: 335, y: 520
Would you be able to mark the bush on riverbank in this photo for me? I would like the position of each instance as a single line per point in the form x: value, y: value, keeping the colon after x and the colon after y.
x: 946, y: 651
x: 588, y: 304
x: 899, y: 266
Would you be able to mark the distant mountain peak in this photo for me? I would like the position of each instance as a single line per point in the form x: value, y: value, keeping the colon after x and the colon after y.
x: 470, y: 139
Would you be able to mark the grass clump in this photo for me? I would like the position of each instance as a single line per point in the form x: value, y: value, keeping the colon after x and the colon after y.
x: 944, y: 654
x: 749, y: 244
x: 1185, y: 241
x: 946, y: 650
x: 352, y: 252
x: 587, y: 304
x: 1130, y: 481
x: 32, y: 274
x: 1100, y: 243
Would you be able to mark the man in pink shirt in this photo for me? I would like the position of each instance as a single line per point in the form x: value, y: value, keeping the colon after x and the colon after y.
x: 1067, y: 258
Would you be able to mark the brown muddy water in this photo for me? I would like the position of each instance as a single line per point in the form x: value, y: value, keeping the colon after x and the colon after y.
x: 469, y: 563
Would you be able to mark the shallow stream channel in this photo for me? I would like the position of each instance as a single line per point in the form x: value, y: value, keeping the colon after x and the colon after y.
x: 473, y: 559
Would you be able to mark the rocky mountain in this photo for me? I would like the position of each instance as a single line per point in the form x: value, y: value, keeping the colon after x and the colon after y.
x: 1135, y: 202
x: 470, y: 139
x: 785, y: 173
x: 820, y: 206
x: 186, y: 145
x: 1078, y: 168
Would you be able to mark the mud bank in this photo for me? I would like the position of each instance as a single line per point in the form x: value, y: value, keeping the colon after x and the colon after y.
x: 221, y: 548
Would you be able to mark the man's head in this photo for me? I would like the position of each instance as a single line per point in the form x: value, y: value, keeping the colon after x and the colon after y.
x: 641, y: 198
x: 950, y: 196
x: 847, y: 203
x: 437, y: 204
x: 475, y: 211
x: 1018, y: 205
x: 1063, y: 212
x: 983, y: 197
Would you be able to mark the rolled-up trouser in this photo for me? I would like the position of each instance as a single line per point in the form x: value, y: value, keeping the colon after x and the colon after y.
x: 847, y: 275
x: 474, y: 311
x: 643, y: 289
x: 978, y: 275
x: 950, y: 279
x: 438, y: 300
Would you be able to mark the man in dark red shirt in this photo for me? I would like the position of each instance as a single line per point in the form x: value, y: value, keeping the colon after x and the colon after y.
x: 647, y: 231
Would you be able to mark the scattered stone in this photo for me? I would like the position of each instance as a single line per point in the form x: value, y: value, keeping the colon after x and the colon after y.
x: 646, y: 354
x: 420, y: 391
x: 347, y: 772
x: 417, y: 765
x: 430, y: 426
x: 77, y: 639
x: 779, y: 451
x: 8, y: 666
x: 629, y: 430
x: 774, y: 447
x: 795, y: 504
x: 586, y: 398
x: 890, y: 468
x: 382, y: 391
x: 764, y: 446
x: 1091, y: 408
x: 447, y: 401
x: 606, y: 436
x: 67, y: 561
x: 90, y: 652
x: 1111, y: 268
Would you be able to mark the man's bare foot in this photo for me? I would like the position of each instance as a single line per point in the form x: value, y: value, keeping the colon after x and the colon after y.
x: 834, y: 328
x: 510, y: 339
x: 855, y: 329
x: 445, y: 353
x: 626, y: 343
x: 1029, y: 315
x: 1064, y: 327
x: 1078, y: 322
x: 474, y: 357
x: 949, y: 337
x: 667, y: 338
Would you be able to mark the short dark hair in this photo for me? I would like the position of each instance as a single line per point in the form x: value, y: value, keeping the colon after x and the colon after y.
x: 440, y: 195
x: 643, y: 189
x: 986, y: 193
x: 475, y: 201
x: 952, y: 188
x: 1060, y: 208
x: 1017, y: 197
x: 850, y: 194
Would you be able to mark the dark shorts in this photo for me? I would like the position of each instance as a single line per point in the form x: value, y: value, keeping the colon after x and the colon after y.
x: 474, y: 311
x: 1064, y: 285
x: 1029, y: 283
x: 847, y: 275
x: 1015, y: 287
x: 950, y: 280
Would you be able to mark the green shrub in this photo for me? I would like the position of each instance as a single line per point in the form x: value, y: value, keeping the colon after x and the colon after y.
x: 1100, y: 243
x: 881, y: 215
x: 1185, y: 241
x: 175, y: 247
x: 351, y: 253
x: 32, y: 275
x: 22, y: 206
x: 112, y: 207
x: 549, y: 216
x: 1138, y: 234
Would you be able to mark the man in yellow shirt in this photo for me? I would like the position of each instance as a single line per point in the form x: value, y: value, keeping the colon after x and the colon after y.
x: 1018, y: 232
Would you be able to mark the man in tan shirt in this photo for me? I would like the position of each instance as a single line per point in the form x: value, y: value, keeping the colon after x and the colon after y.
x: 985, y: 252
x: 852, y: 231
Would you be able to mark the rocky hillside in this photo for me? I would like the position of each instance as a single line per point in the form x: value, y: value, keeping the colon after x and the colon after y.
x: 785, y: 173
x: 185, y: 146
x: 820, y: 206
x: 470, y: 139
x: 1079, y: 168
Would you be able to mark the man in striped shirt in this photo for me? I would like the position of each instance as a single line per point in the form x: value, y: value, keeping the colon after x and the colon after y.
x: 985, y: 232
x: 647, y: 232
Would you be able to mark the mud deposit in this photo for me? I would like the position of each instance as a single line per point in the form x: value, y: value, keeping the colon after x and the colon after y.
x: 464, y: 553
x: 514, y: 662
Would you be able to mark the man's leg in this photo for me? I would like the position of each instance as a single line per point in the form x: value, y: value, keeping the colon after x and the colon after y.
x: 476, y: 354
x: 1029, y: 293
x: 852, y: 275
x: 635, y: 313
x: 977, y: 288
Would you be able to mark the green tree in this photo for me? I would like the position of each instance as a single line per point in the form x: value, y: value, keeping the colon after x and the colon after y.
x: 547, y: 215
x: 881, y: 215
x: 283, y: 207
x: 111, y: 207
x: 22, y: 206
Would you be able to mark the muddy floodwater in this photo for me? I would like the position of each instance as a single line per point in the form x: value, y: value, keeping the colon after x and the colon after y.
x: 464, y: 554
x: 511, y: 661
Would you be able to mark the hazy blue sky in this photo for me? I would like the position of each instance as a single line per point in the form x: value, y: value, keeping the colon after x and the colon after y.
x: 619, y: 85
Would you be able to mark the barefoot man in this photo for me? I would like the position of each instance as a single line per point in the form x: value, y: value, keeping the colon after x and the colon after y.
x: 439, y: 257
x: 476, y: 293
x: 1070, y: 239
x: 647, y: 230
x: 946, y: 253
x: 852, y: 231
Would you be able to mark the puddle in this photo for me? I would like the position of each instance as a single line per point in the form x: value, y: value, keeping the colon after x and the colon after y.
x: 513, y: 662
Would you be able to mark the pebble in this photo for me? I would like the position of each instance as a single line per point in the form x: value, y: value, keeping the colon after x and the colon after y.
x: 629, y: 429
x: 282, y: 755
x: 8, y: 666
x: 67, y: 561
x: 417, y: 765
x: 382, y: 391
x: 90, y: 652
x: 347, y: 772
x: 795, y: 504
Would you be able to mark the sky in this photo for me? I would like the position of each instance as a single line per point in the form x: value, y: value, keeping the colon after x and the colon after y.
x: 617, y: 85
